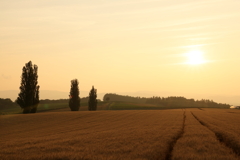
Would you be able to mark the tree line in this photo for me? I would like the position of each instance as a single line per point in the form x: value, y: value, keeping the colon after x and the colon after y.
x: 170, y: 102
x: 125, y: 98
x: 66, y: 101
x: 28, y: 98
x: 7, y: 103
x: 182, y: 102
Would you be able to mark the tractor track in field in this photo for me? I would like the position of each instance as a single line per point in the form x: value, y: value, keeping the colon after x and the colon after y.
x: 222, y: 138
x: 175, y: 139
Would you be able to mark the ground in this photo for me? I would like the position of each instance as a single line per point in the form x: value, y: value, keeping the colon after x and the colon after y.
x: 126, y: 134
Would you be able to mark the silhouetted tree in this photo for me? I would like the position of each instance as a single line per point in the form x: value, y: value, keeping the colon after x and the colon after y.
x: 7, y: 104
x: 74, y: 99
x: 124, y: 98
x: 28, y: 98
x: 183, y: 102
x: 107, y: 99
x: 92, y: 103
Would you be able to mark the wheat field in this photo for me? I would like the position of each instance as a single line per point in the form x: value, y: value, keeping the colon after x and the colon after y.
x: 141, y: 134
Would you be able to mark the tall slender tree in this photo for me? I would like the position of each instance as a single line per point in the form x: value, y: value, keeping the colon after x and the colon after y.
x: 28, y: 98
x: 92, y: 102
x: 74, y: 99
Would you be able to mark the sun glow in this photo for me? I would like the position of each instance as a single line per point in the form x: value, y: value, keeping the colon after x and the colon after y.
x: 195, y: 57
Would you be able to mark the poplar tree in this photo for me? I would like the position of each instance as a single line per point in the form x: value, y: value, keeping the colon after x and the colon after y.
x: 92, y: 102
x: 28, y: 98
x: 74, y: 99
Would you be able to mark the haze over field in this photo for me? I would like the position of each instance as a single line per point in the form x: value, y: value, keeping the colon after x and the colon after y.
x: 48, y: 94
x: 185, y: 48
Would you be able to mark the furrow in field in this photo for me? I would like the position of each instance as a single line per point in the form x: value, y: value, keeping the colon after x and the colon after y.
x: 175, y: 139
x: 90, y: 135
x: 198, y: 143
x: 223, y: 119
x: 229, y: 139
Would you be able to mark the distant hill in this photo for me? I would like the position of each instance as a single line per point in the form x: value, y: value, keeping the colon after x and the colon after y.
x: 8, y: 105
x: 47, y: 101
x: 46, y: 94
x: 125, y: 98
x: 182, y: 102
x: 169, y: 102
x: 49, y: 94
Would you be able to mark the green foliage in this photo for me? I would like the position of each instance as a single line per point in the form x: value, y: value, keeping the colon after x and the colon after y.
x: 92, y: 103
x: 120, y: 105
x: 107, y: 99
x: 8, y: 106
x: 182, y: 102
x: 28, y: 98
x: 159, y: 102
x: 6, y: 103
x: 74, y: 101
x: 115, y: 97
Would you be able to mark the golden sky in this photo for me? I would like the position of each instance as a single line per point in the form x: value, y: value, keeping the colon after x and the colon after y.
x: 123, y: 45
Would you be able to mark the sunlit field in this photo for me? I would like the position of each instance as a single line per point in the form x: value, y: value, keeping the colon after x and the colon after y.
x: 130, y: 134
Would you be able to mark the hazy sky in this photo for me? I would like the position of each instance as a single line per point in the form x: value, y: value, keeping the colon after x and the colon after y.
x: 122, y: 45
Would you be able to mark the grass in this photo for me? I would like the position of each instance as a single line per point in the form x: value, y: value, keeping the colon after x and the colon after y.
x: 44, y: 107
x: 118, y: 105
x: 132, y: 106
x: 41, y: 108
x: 10, y: 111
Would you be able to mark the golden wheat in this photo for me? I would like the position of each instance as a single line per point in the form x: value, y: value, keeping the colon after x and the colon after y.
x: 89, y: 135
x: 143, y: 134
x: 198, y: 142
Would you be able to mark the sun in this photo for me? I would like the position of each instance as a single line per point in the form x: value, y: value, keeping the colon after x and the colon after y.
x: 195, y: 57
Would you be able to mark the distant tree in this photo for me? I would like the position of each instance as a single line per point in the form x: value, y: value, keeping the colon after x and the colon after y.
x: 28, y: 98
x: 125, y: 98
x: 74, y: 99
x: 7, y: 104
x: 107, y: 99
x: 183, y: 102
x: 92, y: 103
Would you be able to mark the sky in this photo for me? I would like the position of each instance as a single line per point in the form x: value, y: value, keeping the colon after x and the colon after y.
x: 123, y: 45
